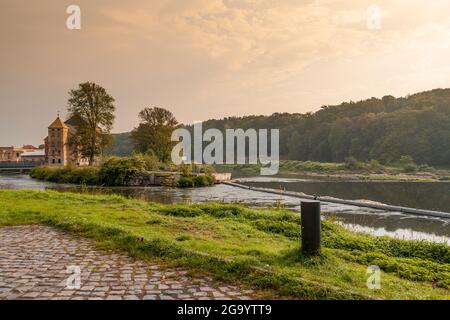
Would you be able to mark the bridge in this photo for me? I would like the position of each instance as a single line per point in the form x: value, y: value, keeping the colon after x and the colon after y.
x: 19, y: 166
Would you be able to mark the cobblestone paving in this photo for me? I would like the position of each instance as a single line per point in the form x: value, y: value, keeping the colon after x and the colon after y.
x: 34, y: 262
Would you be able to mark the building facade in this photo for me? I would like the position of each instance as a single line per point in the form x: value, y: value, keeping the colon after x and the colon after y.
x: 13, y: 154
x: 9, y: 154
x: 37, y: 156
x: 58, y: 149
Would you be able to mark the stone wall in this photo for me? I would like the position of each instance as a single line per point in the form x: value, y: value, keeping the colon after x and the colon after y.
x: 144, y: 179
x: 169, y: 179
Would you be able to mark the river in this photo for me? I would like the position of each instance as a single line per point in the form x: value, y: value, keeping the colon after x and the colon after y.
x: 420, y: 195
x: 366, y: 220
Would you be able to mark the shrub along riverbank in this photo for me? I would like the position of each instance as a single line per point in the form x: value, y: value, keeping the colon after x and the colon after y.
x: 259, y: 248
x: 119, y: 171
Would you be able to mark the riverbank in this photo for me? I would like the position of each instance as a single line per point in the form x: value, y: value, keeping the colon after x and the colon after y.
x: 360, y: 219
x: 257, y: 248
x: 127, y: 171
x: 349, y: 171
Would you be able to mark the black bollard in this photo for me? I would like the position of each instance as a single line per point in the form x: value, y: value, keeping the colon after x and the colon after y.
x: 311, y: 234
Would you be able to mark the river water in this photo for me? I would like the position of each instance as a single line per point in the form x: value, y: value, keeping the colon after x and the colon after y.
x: 366, y: 220
x: 421, y: 195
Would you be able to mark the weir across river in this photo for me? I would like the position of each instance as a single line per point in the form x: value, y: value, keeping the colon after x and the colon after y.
x: 367, y: 204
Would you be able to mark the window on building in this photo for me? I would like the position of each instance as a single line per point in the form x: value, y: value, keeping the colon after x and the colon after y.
x: 59, y: 160
x: 53, y: 160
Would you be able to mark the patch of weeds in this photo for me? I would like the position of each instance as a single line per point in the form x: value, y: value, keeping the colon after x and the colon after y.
x: 154, y: 221
x: 254, y: 252
x: 184, y: 237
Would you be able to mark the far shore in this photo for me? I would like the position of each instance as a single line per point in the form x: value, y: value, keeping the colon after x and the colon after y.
x: 358, y: 171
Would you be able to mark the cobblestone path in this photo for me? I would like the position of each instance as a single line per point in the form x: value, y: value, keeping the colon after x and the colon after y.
x: 34, y: 262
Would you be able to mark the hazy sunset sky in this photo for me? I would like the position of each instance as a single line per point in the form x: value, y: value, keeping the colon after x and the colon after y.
x: 205, y: 59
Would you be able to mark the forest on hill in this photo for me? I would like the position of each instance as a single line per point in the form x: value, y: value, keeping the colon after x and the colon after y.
x: 121, y: 145
x: 382, y: 129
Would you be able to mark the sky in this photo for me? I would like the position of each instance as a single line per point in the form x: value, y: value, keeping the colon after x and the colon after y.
x: 205, y: 59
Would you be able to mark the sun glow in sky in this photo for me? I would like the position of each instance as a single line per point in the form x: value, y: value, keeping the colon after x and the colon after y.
x: 205, y: 59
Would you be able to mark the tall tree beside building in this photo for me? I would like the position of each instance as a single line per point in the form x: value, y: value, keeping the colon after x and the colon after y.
x: 93, y: 108
x: 154, y: 132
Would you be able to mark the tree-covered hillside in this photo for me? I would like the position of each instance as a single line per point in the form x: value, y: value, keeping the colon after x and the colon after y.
x: 121, y: 145
x: 382, y: 129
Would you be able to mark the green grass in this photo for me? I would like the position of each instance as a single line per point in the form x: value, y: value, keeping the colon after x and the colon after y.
x: 401, y: 178
x: 258, y: 248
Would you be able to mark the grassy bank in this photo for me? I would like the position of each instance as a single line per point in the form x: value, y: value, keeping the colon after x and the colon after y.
x: 349, y: 170
x: 259, y: 248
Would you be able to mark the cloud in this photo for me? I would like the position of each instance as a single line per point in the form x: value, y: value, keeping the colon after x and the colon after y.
x: 214, y: 58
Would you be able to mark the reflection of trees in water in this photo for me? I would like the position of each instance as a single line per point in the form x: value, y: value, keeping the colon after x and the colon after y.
x: 423, y: 195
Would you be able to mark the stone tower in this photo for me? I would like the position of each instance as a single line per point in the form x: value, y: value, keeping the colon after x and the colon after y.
x: 56, y: 144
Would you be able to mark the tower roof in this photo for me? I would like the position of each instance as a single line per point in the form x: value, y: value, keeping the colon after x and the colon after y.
x: 57, y: 124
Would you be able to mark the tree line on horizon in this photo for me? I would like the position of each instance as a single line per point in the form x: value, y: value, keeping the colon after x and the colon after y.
x: 383, y: 129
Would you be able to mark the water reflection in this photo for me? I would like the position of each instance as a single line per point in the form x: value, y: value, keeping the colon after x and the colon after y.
x: 355, y: 218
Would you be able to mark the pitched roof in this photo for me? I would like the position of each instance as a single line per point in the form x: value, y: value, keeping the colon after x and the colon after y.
x: 74, y: 121
x: 57, y: 124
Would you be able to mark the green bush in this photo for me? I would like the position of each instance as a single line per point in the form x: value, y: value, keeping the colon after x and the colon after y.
x: 425, y: 167
x: 186, y: 182
x: 67, y: 174
x: 38, y: 173
x: 405, y: 160
x: 407, y: 163
x: 87, y: 176
x: 375, y: 164
x: 210, y: 180
x: 195, y: 181
x: 120, y: 171
x: 185, y: 169
x: 152, y: 163
x: 201, y: 181
x: 410, y: 168
x: 352, y: 163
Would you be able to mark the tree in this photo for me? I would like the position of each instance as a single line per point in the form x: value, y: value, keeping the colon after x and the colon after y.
x: 154, y: 132
x: 93, y: 110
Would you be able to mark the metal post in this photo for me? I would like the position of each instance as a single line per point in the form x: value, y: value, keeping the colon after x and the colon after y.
x: 311, y: 234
